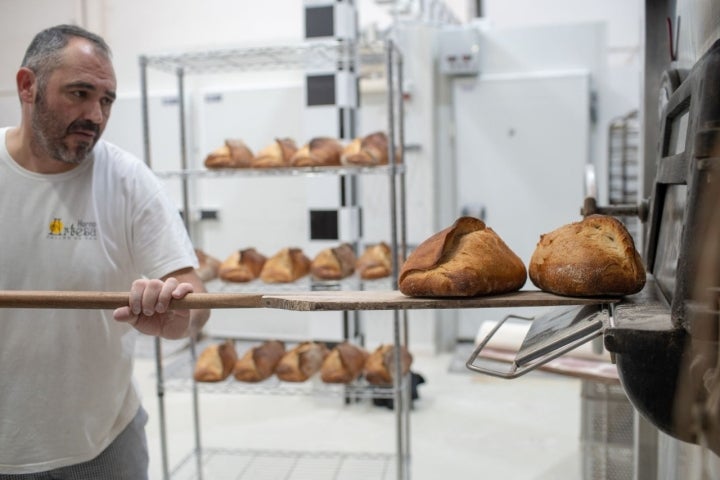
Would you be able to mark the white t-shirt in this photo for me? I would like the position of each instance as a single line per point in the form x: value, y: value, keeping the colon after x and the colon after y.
x: 66, y: 387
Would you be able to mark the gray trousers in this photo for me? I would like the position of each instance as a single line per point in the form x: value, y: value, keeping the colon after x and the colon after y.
x: 126, y: 458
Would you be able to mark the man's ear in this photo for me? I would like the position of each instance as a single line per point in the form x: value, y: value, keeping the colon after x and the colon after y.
x: 26, y: 85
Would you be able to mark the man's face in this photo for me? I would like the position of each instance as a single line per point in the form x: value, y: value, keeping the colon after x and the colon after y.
x: 72, y: 109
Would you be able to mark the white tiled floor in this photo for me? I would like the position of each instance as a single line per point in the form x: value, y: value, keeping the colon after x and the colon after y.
x: 464, y: 425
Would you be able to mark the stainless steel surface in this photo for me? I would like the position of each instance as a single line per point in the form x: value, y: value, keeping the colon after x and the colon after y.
x: 550, y: 336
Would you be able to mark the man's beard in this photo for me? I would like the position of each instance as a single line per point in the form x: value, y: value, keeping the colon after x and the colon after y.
x: 49, y: 135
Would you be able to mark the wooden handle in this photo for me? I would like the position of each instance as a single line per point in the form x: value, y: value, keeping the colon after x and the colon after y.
x: 113, y: 300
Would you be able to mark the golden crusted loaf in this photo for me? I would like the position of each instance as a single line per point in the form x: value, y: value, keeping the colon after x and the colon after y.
x: 208, y: 266
x: 287, y: 265
x: 242, y: 266
x: 259, y: 362
x: 375, y: 262
x: 464, y: 260
x: 318, y: 152
x: 233, y: 154
x: 277, y: 154
x: 344, y: 363
x: 334, y: 263
x: 593, y: 257
x: 216, y: 362
x: 370, y: 150
x: 380, y: 365
x: 301, y: 362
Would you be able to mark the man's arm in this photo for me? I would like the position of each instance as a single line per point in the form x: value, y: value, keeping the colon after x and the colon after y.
x: 149, y: 298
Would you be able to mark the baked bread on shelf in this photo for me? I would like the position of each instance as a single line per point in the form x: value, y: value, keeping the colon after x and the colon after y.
x: 301, y: 362
x: 233, y: 154
x: 277, y: 154
x: 216, y: 362
x: 334, y: 263
x: 242, y: 266
x: 370, y: 150
x: 287, y: 265
x: 592, y: 257
x: 464, y: 260
x: 259, y: 362
x: 318, y: 152
x: 380, y: 365
x: 375, y: 262
x: 343, y: 364
x: 208, y: 266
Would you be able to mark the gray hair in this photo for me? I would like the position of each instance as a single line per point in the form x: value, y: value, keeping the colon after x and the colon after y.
x: 43, y: 55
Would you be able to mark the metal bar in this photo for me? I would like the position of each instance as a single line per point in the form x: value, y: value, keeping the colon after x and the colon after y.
x: 183, y: 147
x: 398, y: 397
x: 407, y: 397
x: 392, y: 160
x: 145, y: 110
x: 397, y: 377
x: 160, y: 385
x: 112, y: 300
x: 196, y: 414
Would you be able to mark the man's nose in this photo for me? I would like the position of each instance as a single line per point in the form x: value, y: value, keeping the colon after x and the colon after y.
x: 95, y: 113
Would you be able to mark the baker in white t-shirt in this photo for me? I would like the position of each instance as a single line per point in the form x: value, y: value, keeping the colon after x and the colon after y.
x: 79, y: 213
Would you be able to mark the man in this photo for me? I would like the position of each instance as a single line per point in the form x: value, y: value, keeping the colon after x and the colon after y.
x: 78, y: 213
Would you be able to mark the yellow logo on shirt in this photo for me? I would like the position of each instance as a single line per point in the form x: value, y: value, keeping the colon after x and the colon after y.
x: 79, y: 230
x: 56, y: 226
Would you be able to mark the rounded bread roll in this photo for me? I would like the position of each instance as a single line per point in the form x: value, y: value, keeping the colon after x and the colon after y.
x: 277, y: 154
x: 259, y: 362
x: 593, y: 257
x: 375, y: 262
x: 319, y: 152
x: 343, y: 364
x: 216, y: 362
x: 370, y: 150
x: 380, y: 365
x: 464, y: 260
x: 302, y: 362
x: 233, y: 154
x: 334, y: 263
x: 287, y: 265
x: 242, y: 266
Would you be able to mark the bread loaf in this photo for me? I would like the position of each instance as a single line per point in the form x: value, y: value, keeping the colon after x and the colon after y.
x: 234, y: 154
x: 242, y: 266
x: 302, y: 362
x: 319, y: 152
x: 375, y: 262
x: 208, y: 266
x: 259, y: 362
x: 380, y: 365
x: 464, y: 260
x: 370, y: 150
x: 344, y: 363
x: 334, y: 263
x: 277, y: 154
x: 288, y: 265
x: 216, y: 362
x: 593, y: 257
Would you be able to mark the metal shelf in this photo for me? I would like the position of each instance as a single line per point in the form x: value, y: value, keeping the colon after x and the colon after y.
x: 299, y: 56
x: 305, y: 284
x: 247, y: 464
x: 178, y: 377
x: 279, y: 171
